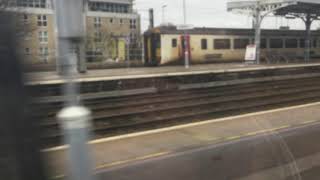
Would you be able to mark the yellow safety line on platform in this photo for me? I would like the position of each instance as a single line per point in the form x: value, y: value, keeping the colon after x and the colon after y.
x: 231, y: 138
x: 117, y: 163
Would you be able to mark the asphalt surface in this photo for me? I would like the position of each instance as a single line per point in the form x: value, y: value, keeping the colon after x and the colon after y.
x: 231, y: 160
x: 251, y: 140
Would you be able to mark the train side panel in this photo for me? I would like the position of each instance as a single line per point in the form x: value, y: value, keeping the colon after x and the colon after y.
x: 208, y: 48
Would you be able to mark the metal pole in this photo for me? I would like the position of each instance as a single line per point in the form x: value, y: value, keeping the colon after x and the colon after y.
x: 151, y: 18
x: 75, y: 123
x: 186, y: 49
x: 258, y: 20
x: 184, y: 12
x: 308, y: 23
x: 128, y: 51
x: 74, y: 119
x: 82, y: 66
x: 163, y: 13
x: 186, y: 52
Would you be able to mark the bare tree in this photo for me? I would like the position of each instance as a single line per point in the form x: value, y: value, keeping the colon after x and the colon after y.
x: 106, y: 42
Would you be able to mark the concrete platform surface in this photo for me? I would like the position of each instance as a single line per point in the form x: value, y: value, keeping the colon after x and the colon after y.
x: 124, y: 150
x: 38, y: 78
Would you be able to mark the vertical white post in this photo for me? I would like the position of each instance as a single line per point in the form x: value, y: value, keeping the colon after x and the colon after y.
x: 184, y: 12
x: 75, y: 123
x: 308, y: 23
x: 186, y: 45
x: 74, y: 119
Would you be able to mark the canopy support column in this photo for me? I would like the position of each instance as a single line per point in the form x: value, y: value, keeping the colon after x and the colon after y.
x: 308, y: 22
x: 257, y: 27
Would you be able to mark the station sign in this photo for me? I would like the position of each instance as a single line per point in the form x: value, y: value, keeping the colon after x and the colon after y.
x: 251, y: 53
x: 185, y: 27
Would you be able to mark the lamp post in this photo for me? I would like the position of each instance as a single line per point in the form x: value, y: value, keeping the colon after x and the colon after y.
x: 163, y: 13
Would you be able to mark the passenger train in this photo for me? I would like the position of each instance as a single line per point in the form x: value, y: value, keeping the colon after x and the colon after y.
x: 165, y: 45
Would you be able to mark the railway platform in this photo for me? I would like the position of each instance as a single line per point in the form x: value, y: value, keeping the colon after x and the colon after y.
x: 50, y: 78
x: 263, y: 145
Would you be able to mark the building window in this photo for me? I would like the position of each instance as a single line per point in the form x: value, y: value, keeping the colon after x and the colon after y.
x: 174, y: 43
x: 42, y: 20
x: 133, y: 24
x: 97, y: 22
x: 111, y: 20
x: 25, y: 18
x: 32, y: 3
x: 291, y: 43
x: 109, y: 7
x: 241, y: 43
x: 204, y: 44
x: 121, y: 21
x: 263, y: 43
x: 44, y: 54
x: 314, y: 43
x: 222, y: 44
x: 302, y: 43
x: 98, y: 36
x: 27, y: 51
x: 43, y: 36
x: 276, y: 43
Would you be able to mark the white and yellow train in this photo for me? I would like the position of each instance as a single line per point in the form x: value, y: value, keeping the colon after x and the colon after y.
x: 165, y: 45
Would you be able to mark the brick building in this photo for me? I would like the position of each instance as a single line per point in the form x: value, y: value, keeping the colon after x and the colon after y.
x: 113, y: 31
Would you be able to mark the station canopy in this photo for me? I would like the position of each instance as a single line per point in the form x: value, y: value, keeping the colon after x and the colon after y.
x: 278, y: 7
x: 307, y: 10
x: 311, y: 7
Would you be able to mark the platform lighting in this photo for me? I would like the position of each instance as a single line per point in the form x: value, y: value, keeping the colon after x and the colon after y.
x: 290, y: 17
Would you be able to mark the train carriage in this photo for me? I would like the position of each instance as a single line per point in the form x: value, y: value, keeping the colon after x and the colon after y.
x: 165, y: 45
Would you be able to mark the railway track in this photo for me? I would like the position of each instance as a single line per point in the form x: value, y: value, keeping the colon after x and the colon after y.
x: 118, y: 115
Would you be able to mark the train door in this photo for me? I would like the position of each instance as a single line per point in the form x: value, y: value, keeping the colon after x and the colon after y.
x: 152, y: 49
x: 185, y: 47
x: 122, y: 50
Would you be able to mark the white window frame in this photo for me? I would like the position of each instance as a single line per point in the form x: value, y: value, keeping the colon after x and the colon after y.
x: 97, y: 22
x: 33, y: 3
x: 133, y: 24
x: 25, y: 18
x: 97, y: 36
x: 27, y: 51
x: 42, y: 20
x: 43, y: 37
x: 44, y: 54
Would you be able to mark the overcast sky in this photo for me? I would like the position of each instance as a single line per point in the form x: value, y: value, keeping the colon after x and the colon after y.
x: 206, y: 13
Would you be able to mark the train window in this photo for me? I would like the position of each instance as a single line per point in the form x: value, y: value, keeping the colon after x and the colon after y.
x: 291, y: 43
x: 222, y: 44
x: 174, y: 43
x: 276, y: 43
x: 314, y: 43
x: 263, y: 43
x: 302, y: 43
x: 204, y: 44
x: 241, y: 43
